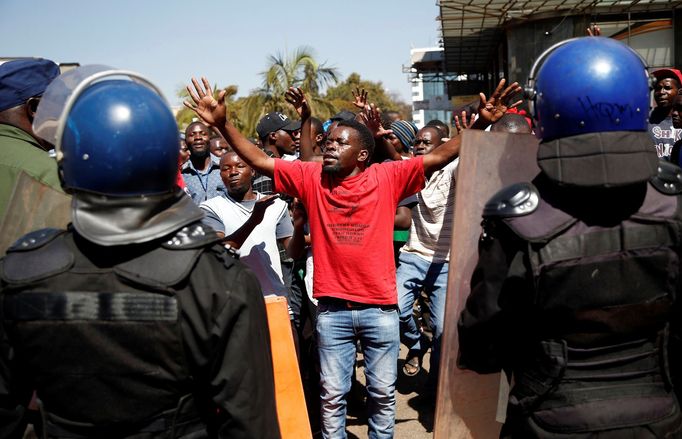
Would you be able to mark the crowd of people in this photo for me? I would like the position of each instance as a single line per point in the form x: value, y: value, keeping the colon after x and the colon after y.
x: 152, y: 298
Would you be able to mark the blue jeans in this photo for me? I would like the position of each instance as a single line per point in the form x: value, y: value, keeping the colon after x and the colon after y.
x: 338, y: 328
x: 415, y: 274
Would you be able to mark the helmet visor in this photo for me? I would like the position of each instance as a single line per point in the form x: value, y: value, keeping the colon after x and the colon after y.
x: 62, y: 93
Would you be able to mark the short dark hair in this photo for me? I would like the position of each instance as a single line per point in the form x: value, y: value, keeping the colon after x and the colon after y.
x: 442, y: 127
x: 364, y: 135
x: 196, y: 123
x: 511, y: 123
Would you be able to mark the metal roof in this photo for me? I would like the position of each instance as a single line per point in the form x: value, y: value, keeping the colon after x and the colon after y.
x: 472, y: 29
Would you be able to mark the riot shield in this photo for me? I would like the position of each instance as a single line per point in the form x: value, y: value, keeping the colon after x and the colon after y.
x: 32, y: 206
x: 468, y: 402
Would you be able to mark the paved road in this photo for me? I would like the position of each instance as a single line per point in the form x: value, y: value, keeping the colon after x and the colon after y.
x: 414, y: 415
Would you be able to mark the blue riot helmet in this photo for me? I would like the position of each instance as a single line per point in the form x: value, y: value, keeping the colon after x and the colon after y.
x: 590, y: 101
x: 117, y: 147
x: 588, y: 85
x: 118, y: 137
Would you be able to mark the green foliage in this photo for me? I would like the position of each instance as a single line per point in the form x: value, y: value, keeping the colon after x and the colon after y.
x: 185, y: 115
x: 341, y: 96
x: 298, y: 69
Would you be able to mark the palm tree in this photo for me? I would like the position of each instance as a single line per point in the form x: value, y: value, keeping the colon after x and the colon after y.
x: 298, y: 69
x: 185, y: 116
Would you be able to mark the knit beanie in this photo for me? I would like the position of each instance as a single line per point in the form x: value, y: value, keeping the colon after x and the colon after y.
x: 405, y: 131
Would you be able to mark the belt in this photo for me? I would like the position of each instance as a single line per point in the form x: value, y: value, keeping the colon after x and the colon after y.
x: 349, y: 304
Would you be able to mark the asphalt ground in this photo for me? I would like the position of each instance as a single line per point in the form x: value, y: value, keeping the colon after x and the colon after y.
x: 414, y: 410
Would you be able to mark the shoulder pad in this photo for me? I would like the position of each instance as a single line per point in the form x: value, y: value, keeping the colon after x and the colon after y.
x: 34, y: 240
x: 193, y: 236
x: 233, y: 252
x: 668, y: 178
x: 42, y: 256
x: 147, y: 270
x: 178, y: 253
x: 516, y: 200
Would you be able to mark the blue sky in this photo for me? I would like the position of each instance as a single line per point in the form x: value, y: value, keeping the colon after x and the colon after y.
x: 227, y: 41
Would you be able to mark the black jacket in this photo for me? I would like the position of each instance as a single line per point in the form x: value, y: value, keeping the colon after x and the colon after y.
x: 157, y: 340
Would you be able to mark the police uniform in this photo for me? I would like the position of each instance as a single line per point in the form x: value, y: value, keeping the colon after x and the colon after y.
x: 134, y: 322
x: 147, y: 340
x: 572, y: 295
x: 578, y: 273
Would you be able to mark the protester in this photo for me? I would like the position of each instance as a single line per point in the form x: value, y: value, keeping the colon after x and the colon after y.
x: 402, y: 137
x: 442, y: 126
x: 22, y: 83
x: 350, y: 210
x: 511, y: 123
x: 661, y: 130
x: 250, y: 222
x: 202, y: 171
x: 318, y: 135
x: 129, y: 323
x: 218, y: 146
x: 276, y: 135
x: 425, y: 257
x: 578, y: 275
x: 676, y: 118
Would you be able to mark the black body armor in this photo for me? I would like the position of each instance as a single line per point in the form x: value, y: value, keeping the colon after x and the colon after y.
x: 100, y: 332
x: 600, y: 274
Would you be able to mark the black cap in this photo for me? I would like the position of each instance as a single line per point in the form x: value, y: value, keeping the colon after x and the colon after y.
x: 343, y: 115
x: 274, y: 121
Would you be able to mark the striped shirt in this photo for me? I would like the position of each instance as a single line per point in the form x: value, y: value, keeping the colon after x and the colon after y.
x: 432, y: 217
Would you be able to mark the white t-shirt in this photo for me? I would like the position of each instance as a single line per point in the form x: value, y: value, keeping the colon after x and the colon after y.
x: 432, y: 217
x: 259, y: 251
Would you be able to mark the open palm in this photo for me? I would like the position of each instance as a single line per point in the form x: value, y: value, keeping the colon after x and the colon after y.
x: 492, y: 109
x: 211, y: 110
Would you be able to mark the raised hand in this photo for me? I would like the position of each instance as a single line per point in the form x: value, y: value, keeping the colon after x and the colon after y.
x: 491, y: 110
x: 594, y: 30
x: 261, y: 206
x: 296, y: 98
x: 211, y: 110
x: 464, y: 124
x: 359, y: 98
x: 371, y: 118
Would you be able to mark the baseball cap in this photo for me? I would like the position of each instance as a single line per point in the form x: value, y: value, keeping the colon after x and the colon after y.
x: 343, y: 115
x: 23, y: 79
x: 274, y: 121
x: 668, y: 73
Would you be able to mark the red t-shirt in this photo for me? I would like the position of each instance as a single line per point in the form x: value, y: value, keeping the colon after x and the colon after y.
x: 351, y: 224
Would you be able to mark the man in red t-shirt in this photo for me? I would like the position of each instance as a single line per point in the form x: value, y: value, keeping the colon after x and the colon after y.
x: 350, y: 208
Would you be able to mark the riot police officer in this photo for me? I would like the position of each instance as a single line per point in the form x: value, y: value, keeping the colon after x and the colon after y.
x: 134, y: 321
x: 578, y: 271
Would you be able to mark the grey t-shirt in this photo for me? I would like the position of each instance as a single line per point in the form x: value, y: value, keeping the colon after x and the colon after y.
x: 664, y: 136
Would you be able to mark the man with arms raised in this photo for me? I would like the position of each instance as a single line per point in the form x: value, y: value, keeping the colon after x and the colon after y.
x: 350, y: 208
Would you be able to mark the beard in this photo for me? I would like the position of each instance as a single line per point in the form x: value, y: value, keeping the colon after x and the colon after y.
x: 199, y: 154
x: 331, y: 169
